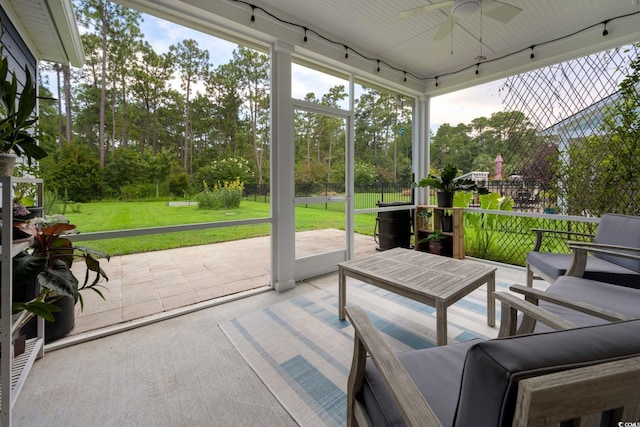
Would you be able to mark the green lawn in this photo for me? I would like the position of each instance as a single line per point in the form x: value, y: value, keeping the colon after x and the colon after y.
x: 105, y: 216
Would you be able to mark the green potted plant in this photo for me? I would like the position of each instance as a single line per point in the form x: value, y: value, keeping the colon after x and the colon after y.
x: 17, y: 120
x: 47, y: 263
x: 447, y: 184
x: 435, y: 241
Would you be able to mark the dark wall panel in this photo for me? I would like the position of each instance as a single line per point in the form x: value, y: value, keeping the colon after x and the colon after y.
x: 15, y: 48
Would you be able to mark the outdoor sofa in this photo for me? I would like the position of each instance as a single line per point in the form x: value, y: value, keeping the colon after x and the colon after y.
x: 612, y: 256
x: 590, y: 373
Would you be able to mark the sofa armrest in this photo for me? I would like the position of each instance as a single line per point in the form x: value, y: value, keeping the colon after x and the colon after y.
x: 604, y: 246
x: 511, y: 305
x: 533, y: 295
x: 540, y: 232
x: 580, y: 250
x: 414, y: 408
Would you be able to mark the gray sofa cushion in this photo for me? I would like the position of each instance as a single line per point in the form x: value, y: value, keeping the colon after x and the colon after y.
x: 493, y: 368
x: 555, y: 265
x: 436, y: 371
x: 619, y: 230
x: 612, y: 297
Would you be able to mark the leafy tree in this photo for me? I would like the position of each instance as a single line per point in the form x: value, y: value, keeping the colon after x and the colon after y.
x: 47, y: 120
x: 193, y: 66
x: 224, y: 122
x: 123, y: 167
x: 607, y: 164
x: 251, y: 69
x: 454, y: 145
x: 151, y: 74
x: 158, y: 166
x: 76, y: 170
x: 114, y: 27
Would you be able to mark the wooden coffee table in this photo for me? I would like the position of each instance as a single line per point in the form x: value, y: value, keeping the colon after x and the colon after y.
x: 431, y: 279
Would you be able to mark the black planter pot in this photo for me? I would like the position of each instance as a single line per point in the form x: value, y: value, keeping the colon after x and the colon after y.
x: 23, y: 293
x: 447, y: 223
x: 445, y: 199
x: 65, y: 320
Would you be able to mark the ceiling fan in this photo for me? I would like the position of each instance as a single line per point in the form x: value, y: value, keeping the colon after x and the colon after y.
x: 494, y: 9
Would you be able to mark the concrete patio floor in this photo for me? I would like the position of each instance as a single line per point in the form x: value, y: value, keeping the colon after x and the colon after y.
x: 182, y: 371
x: 147, y: 284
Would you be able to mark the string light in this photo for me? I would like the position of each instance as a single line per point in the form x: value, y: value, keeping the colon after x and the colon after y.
x: 253, y: 7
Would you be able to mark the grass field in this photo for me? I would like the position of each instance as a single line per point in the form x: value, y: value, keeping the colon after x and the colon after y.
x: 105, y: 216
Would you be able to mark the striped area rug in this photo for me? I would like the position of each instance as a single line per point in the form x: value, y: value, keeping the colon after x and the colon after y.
x: 302, y: 352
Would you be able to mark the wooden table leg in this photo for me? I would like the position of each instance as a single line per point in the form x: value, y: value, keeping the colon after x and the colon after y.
x: 342, y: 293
x: 441, y: 323
x: 491, y: 301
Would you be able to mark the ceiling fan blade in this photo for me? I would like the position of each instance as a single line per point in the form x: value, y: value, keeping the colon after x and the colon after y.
x: 424, y: 9
x: 501, y: 12
x: 446, y: 28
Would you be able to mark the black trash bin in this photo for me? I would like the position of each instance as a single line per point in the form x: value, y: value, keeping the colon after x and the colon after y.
x: 394, y: 228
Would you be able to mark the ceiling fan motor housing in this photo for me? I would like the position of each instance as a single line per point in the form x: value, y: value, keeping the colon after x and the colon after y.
x: 465, y: 7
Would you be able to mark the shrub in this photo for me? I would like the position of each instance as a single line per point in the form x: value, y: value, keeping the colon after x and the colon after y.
x: 179, y: 184
x: 364, y: 173
x: 138, y: 191
x: 225, y: 196
x: 225, y: 170
x: 76, y: 169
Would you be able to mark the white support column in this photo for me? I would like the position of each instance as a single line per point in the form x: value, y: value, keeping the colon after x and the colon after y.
x: 349, y: 178
x: 421, y: 143
x: 283, y: 231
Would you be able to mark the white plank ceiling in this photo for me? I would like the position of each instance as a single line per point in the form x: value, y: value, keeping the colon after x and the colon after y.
x: 373, y: 28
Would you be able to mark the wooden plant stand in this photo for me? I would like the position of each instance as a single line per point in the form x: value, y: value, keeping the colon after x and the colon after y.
x: 426, y: 226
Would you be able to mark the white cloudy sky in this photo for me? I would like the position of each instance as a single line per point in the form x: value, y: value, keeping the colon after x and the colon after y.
x: 454, y: 108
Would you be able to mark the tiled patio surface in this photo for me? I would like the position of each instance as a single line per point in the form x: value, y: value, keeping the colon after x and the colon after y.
x: 149, y: 283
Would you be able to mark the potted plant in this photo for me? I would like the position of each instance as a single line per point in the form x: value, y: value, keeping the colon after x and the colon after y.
x: 435, y: 241
x: 447, y: 184
x: 17, y: 120
x: 47, y: 263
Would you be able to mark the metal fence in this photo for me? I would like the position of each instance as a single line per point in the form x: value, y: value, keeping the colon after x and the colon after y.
x: 507, y: 236
x: 366, y: 195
